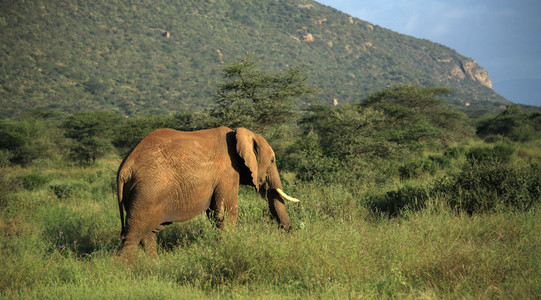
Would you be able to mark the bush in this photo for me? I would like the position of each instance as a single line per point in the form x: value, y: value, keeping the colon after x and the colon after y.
x: 131, y: 131
x: 306, y: 158
x: 394, y: 124
x: 498, y: 153
x: 5, y: 157
x: 455, y: 152
x: 34, y: 181
x: 405, y: 198
x: 420, y: 166
x: 412, y: 169
x: 479, y: 187
x: 66, y: 190
x: 484, y: 187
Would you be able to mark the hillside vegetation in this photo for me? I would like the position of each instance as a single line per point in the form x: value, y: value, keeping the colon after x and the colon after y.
x: 402, y: 196
x: 136, y: 57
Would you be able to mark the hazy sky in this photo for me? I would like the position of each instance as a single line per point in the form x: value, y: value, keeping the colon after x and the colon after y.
x: 503, y: 36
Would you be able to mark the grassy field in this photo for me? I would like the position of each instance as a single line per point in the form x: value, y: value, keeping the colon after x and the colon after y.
x: 59, y: 237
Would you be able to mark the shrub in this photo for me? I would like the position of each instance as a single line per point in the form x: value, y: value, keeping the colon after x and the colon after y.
x: 66, y: 190
x: 455, y: 152
x: 422, y: 165
x: 405, y: 198
x: 484, y: 187
x: 306, y: 158
x: 412, y: 169
x: 478, y: 188
x: 34, y: 181
x: 5, y: 157
x: 132, y: 130
x: 498, y: 153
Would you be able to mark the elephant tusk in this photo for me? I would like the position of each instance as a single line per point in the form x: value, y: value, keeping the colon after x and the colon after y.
x: 285, y: 196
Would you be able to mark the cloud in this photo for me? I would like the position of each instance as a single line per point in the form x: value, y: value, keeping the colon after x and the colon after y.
x: 434, y: 19
x: 502, y: 35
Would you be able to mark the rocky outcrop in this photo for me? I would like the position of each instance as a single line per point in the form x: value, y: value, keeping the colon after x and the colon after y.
x: 473, y: 71
x: 308, y: 38
x: 470, y: 69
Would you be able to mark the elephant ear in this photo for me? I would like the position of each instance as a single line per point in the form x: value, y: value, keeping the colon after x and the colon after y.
x: 247, y: 149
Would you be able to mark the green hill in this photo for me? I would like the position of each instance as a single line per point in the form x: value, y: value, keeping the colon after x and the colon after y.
x: 159, y: 56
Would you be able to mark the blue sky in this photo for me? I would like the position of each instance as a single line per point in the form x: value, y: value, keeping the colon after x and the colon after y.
x: 503, y: 36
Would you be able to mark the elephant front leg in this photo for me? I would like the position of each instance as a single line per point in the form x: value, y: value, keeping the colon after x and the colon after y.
x: 149, y: 241
x: 215, y: 217
x: 224, y: 207
x: 130, y: 244
x: 149, y: 244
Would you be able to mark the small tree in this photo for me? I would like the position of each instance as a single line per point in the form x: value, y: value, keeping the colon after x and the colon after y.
x: 92, y: 133
x: 256, y: 99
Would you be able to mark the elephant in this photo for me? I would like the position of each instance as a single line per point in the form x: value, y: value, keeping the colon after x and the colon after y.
x: 173, y: 176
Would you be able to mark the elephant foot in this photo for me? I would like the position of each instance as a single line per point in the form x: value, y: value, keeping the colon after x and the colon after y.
x: 128, y: 252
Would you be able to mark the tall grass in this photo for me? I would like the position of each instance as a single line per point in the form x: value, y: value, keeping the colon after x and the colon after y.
x: 59, y: 239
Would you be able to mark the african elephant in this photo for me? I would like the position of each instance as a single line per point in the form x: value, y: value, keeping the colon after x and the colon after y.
x: 173, y: 176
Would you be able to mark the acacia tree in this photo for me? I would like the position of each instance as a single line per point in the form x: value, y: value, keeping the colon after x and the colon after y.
x: 91, y: 133
x: 420, y: 110
x: 256, y: 99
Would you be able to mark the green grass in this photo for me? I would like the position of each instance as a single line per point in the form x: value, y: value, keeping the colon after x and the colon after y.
x: 59, y: 239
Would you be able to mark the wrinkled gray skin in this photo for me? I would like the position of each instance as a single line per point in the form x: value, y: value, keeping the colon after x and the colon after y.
x: 173, y: 176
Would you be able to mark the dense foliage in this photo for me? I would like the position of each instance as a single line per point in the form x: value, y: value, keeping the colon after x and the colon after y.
x: 392, y: 124
x: 513, y: 123
x: 133, y: 57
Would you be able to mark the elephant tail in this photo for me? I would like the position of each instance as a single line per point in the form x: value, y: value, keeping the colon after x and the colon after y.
x: 122, y: 180
x: 121, y: 205
x: 123, y: 177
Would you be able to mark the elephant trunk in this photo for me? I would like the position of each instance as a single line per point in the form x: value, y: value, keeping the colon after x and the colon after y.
x: 276, y: 198
x: 278, y: 208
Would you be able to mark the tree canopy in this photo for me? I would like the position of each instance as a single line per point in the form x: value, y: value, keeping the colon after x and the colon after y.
x: 257, y: 99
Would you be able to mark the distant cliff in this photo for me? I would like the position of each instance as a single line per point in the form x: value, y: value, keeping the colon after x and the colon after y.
x: 161, y: 56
